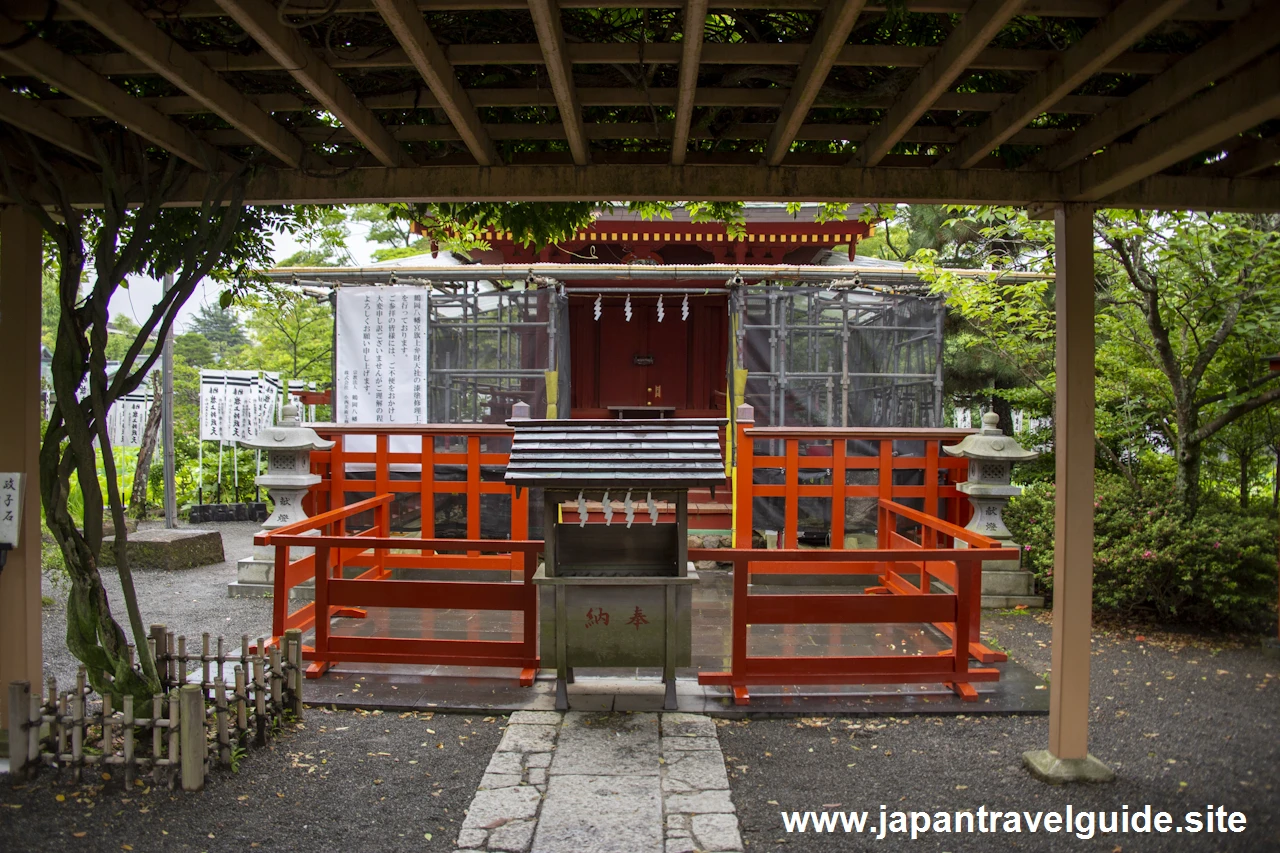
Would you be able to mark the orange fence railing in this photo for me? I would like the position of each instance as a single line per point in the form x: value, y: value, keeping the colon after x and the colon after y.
x: 956, y: 608
x: 822, y: 462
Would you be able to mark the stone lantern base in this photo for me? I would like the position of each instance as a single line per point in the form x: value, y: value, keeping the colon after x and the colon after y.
x: 1006, y: 585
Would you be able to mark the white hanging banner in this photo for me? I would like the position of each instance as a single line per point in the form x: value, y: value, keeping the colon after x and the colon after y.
x: 242, y: 405
x: 127, y: 419
x: 213, y: 407
x: 267, y: 397
x: 381, y: 372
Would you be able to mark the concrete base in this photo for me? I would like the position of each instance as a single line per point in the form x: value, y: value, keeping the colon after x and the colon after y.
x: 1009, y: 602
x: 183, y: 548
x: 1047, y: 767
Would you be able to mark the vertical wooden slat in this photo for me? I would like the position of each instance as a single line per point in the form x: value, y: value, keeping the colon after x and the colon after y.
x: 791, y: 526
x: 473, y: 490
x: 744, y: 476
x: 322, y: 603
x: 741, y: 577
x: 839, y: 451
x: 427, y: 487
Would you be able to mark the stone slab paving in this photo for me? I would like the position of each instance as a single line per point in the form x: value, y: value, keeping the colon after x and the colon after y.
x: 585, y: 782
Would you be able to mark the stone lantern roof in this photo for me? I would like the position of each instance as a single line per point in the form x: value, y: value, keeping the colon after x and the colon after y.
x: 289, y: 434
x: 990, y: 443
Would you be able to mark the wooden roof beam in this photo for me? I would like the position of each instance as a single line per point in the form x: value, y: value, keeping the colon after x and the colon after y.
x: 1251, y: 158
x: 1244, y: 42
x: 410, y: 29
x: 979, y: 25
x: 828, y: 40
x: 40, y: 59
x: 546, y: 19
x: 137, y: 35
x: 713, y: 182
x: 1230, y: 108
x: 695, y: 21
x: 51, y: 126
x: 323, y: 83
x: 665, y: 53
x: 1129, y: 22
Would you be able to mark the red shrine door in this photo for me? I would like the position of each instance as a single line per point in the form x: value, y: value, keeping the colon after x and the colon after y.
x: 672, y: 368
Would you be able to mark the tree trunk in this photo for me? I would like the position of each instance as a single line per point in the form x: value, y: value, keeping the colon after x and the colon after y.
x: 1187, y: 483
x: 1244, y: 480
x: 146, y: 453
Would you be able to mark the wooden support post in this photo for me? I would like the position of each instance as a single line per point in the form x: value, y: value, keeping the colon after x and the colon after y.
x: 19, y: 699
x: 1067, y: 758
x: 20, y: 268
x: 192, y: 736
x: 293, y: 654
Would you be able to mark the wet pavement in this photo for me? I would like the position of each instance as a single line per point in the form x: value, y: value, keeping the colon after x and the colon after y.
x: 408, y: 687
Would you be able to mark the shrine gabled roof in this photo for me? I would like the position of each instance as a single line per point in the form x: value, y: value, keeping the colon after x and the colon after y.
x: 627, y: 454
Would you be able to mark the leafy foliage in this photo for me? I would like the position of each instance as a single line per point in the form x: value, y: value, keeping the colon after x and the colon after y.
x: 1217, y: 570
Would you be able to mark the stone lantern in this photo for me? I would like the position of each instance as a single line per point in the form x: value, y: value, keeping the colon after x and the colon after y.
x: 288, y: 447
x: 991, y: 455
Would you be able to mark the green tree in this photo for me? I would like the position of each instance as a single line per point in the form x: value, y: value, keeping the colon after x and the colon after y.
x: 293, y: 334
x: 193, y: 349
x: 220, y: 327
x: 325, y: 241
x: 384, y: 227
x: 132, y: 232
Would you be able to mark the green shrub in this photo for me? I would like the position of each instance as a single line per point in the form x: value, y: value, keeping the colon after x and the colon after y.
x: 1217, y: 570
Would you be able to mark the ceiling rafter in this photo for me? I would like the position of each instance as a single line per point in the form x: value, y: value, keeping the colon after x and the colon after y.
x: 1252, y: 157
x: 1113, y: 34
x: 695, y: 21
x: 290, y: 50
x: 546, y: 19
x: 1229, y: 108
x: 137, y: 35
x: 41, y: 59
x: 976, y: 29
x: 45, y: 123
x: 833, y: 31
x: 410, y: 29
x: 1245, y: 41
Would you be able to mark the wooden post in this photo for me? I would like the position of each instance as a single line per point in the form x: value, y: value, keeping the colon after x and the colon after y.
x: 191, y: 724
x: 1067, y: 758
x: 19, y: 700
x: 20, y: 269
x: 293, y: 654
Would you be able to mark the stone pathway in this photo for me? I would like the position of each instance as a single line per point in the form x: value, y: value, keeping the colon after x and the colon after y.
x: 600, y: 783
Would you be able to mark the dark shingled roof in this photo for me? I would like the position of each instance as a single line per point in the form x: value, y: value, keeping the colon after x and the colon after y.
x: 649, y: 454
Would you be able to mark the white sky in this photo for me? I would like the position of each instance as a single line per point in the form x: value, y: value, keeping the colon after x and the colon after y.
x: 142, y: 294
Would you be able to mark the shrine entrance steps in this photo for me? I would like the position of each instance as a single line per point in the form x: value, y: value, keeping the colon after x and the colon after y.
x: 604, y: 783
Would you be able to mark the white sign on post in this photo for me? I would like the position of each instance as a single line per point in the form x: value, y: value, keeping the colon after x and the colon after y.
x: 381, y: 371
x: 10, y: 509
x: 213, y: 409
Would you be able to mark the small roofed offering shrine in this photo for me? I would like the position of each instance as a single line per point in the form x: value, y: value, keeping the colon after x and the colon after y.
x: 617, y: 592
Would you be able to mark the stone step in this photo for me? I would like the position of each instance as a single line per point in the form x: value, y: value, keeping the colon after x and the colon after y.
x: 1008, y: 583
x: 545, y: 784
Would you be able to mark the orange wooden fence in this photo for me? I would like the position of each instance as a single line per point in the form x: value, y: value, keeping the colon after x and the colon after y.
x: 828, y: 455
x: 955, y: 609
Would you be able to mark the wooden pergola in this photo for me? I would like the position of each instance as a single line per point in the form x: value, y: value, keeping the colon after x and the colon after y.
x: 1057, y: 104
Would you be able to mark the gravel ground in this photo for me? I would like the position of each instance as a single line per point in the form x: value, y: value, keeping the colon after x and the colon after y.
x: 1184, y: 721
x: 190, y: 602
x: 389, y: 782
